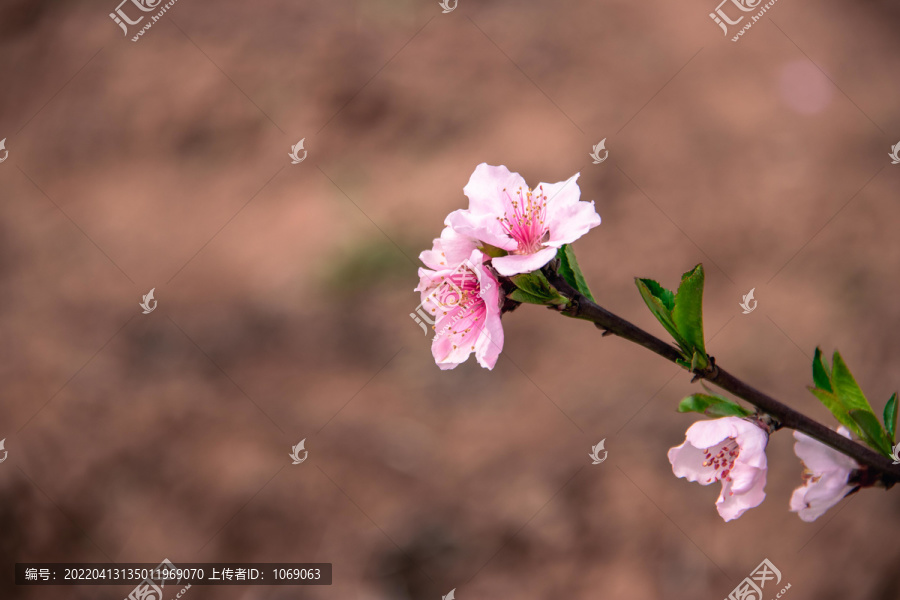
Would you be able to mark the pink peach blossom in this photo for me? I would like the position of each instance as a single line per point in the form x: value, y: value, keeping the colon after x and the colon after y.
x: 731, y: 450
x: 528, y: 224
x: 463, y: 297
x: 825, y: 475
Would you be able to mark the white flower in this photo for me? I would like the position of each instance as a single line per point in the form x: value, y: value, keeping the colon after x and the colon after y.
x: 731, y: 450
x: 825, y: 475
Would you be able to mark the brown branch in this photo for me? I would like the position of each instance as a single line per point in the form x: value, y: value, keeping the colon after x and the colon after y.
x: 581, y: 307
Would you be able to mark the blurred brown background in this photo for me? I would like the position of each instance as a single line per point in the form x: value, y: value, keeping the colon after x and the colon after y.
x: 285, y: 290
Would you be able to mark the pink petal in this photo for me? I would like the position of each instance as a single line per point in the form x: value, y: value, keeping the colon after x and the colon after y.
x: 562, y: 193
x: 482, y: 227
x: 732, y: 506
x: 485, y: 189
x: 514, y: 264
x: 568, y: 218
x: 813, y: 500
x: 706, y: 434
x: 752, y: 440
x: 687, y: 462
x: 820, y: 458
x: 427, y: 280
x: 744, y: 477
x: 490, y: 340
x: 448, y: 250
x: 489, y: 343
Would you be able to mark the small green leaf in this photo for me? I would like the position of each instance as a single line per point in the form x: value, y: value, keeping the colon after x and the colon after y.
x: 492, y: 251
x: 660, y: 302
x: 871, y: 429
x: 523, y: 296
x: 846, y: 387
x: 536, y: 286
x: 890, y: 418
x: 821, y: 376
x: 571, y: 272
x: 712, y: 406
x: 667, y: 297
x: 688, y: 310
x: 833, y: 404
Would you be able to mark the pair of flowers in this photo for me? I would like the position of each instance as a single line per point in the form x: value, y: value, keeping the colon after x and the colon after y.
x: 508, y: 229
x: 732, y: 450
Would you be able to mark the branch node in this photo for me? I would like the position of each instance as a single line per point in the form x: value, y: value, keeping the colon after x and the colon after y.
x: 713, y: 368
x: 605, y: 331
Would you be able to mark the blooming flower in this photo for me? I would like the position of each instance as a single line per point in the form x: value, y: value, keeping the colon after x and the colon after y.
x: 463, y: 297
x: 825, y: 475
x: 731, y: 450
x: 529, y: 224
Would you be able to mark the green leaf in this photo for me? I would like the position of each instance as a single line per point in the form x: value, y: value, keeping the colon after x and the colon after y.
x: 712, y: 406
x: 536, y: 288
x: 688, y: 310
x: 834, y: 404
x: 660, y: 301
x: 571, y: 272
x: 890, y: 418
x: 846, y: 387
x: 523, y: 296
x: 821, y: 376
x: 665, y: 296
x: 492, y: 251
x: 871, y: 429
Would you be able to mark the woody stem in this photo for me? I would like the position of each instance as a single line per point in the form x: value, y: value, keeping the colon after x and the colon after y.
x: 580, y: 307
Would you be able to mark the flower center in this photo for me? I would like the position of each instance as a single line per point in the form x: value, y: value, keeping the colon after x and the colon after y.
x: 459, y: 300
x: 722, y: 461
x: 809, y: 477
x: 524, y: 220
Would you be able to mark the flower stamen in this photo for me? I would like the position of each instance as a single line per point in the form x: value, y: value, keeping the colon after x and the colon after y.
x: 525, y: 221
x: 722, y: 461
